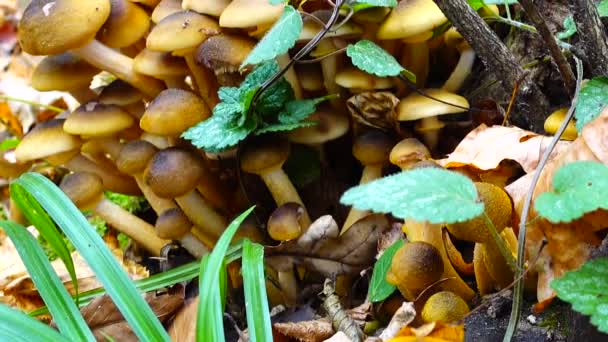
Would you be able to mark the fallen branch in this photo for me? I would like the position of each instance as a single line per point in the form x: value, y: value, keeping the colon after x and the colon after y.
x: 592, y: 37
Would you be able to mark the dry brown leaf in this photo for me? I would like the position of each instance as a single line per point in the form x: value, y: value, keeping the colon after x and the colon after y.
x: 486, y: 147
x: 327, y: 254
x: 307, y: 331
x: 9, y: 119
x: 183, y: 327
x: 568, y: 245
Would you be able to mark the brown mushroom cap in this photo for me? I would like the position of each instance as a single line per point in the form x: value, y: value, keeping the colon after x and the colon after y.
x: 408, y: 152
x: 224, y: 53
x: 173, y: 111
x: 330, y: 126
x: 159, y: 64
x: 164, y: 9
x: 172, y: 224
x: 46, y: 139
x: 250, y: 13
x: 45, y: 29
x: 372, y: 147
x: 210, y: 7
x: 83, y: 188
x: 126, y: 24
x: 62, y: 72
x: 191, y: 28
x: 134, y: 156
x: 416, y: 106
x: 312, y: 27
x: 120, y: 93
x: 411, y: 18
x: 283, y: 223
x: 173, y: 172
x: 357, y: 80
x: 264, y: 153
x: 96, y: 119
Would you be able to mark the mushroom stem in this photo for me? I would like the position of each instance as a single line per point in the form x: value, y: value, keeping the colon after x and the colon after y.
x: 193, y: 245
x: 136, y: 228
x: 461, y: 72
x: 202, y: 215
x: 205, y: 80
x: 176, y: 82
x: 370, y: 173
x: 415, y: 57
x: 485, y: 283
x: 118, y: 64
x: 158, y: 204
x: 289, y: 286
x: 283, y: 191
x: 430, y: 127
x: 431, y: 233
x: 329, y: 68
x: 290, y: 75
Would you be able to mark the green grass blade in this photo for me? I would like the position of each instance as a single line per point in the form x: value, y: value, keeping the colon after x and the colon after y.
x: 210, y: 306
x: 256, y: 301
x: 92, y: 248
x: 51, y: 289
x: 16, y: 326
x: 46, y: 227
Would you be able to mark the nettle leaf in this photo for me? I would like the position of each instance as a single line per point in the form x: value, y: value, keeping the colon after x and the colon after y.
x: 298, y: 110
x: 358, y: 5
x: 379, y: 288
x: 602, y: 8
x: 274, y: 98
x: 569, y: 29
x: 580, y: 187
x: 434, y: 195
x: 280, y: 38
x: 591, y: 101
x: 371, y: 58
x: 281, y: 127
x: 586, y: 290
x: 218, y: 133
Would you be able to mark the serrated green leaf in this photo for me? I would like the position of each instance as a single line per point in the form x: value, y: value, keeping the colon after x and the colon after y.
x: 303, y: 165
x: 602, y: 8
x: 16, y: 326
x: 434, y: 195
x: 282, y: 127
x: 580, y: 187
x: 592, y: 99
x: 569, y: 29
x: 371, y: 58
x: 65, y: 313
x: 256, y: 300
x: 217, y: 133
x: 273, y: 100
x: 379, y: 288
x: 280, y: 38
x: 586, y: 290
x: 230, y: 102
x: 298, y: 110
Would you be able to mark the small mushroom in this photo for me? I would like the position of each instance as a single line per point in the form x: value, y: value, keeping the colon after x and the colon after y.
x: 65, y: 72
x: 44, y: 29
x: 330, y: 125
x: 224, y: 54
x: 164, y: 9
x: 250, y: 13
x: 444, y: 306
x: 173, y: 224
x: 465, y: 62
x: 416, y: 266
x: 126, y: 24
x: 357, y: 81
x: 284, y: 222
x: 555, y: 120
x: 265, y: 157
x: 162, y: 65
x: 125, y: 96
x: 86, y: 191
x: 95, y: 119
x: 408, y: 152
x: 209, y: 7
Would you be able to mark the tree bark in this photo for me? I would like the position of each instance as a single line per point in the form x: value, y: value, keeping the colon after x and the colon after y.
x: 500, y: 61
x: 592, y: 37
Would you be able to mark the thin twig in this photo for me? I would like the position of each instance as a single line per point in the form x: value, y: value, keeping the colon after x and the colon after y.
x: 519, y: 286
x: 558, y: 57
x: 505, y: 120
x: 320, y: 58
x: 32, y: 103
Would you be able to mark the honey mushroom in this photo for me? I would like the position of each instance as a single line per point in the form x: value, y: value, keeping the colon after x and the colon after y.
x: 162, y: 65
x: 173, y: 224
x: 284, y: 222
x: 86, y: 191
x: 357, y: 81
x: 209, y: 7
x: 553, y: 121
x: 126, y: 24
x: 165, y: 8
x: 43, y: 31
x: 224, y: 54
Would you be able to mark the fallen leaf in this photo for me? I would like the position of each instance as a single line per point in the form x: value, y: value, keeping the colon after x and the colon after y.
x: 321, y: 250
x: 432, y: 332
x: 183, y: 327
x: 402, y: 317
x: 10, y: 120
x: 307, y: 331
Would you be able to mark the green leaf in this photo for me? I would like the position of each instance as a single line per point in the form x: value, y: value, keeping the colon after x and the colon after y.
x: 209, y: 307
x: 303, y: 165
x: 120, y: 288
x: 602, y: 8
x: 298, y: 110
x: 580, y: 187
x: 434, y: 195
x: 63, y: 310
x: 16, y: 326
x: 379, y: 288
x: 278, y: 2
x: 216, y: 133
x: 591, y: 101
x: 280, y: 38
x: 8, y: 144
x: 282, y: 127
x: 586, y: 290
x: 569, y: 29
x: 371, y: 58
x: 274, y: 98
x: 256, y: 300
x: 359, y: 5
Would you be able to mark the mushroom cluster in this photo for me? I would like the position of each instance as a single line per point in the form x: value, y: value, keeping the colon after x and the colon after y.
x: 169, y: 59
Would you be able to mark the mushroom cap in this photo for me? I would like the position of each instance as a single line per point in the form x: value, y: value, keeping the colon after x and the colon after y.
x: 358, y: 80
x: 126, y: 24
x: 264, y: 153
x: 191, y: 28
x: 410, y: 18
x: 62, y: 72
x: 250, y: 13
x: 373, y: 15
x: 46, y: 139
x: 372, y: 147
x: 174, y: 172
x: 414, y: 267
x: 283, y: 223
x: 210, y: 7
x: 50, y: 27
x: 497, y: 206
x: 310, y: 77
x: 164, y: 9
x: 95, y: 119
x: 159, y: 64
x: 312, y: 27
x: 173, y: 111
x: 416, y: 106
x: 134, y: 156
x: 555, y: 120
x: 444, y: 306
x: 225, y: 52
x: 120, y: 93
x: 408, y: 152
x: 172, y: 224
x: 83, y: 188
x: 330, y: 126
